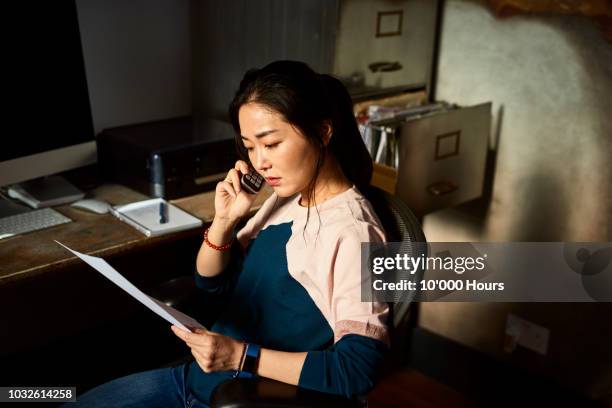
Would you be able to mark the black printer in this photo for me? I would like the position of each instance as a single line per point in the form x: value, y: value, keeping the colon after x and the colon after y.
x: 168, y: 158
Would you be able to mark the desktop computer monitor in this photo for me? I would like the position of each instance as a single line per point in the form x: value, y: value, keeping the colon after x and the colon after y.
x: 48, y: 126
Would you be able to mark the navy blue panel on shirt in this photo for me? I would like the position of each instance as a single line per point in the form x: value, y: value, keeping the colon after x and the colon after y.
x: 268, y: 306
x: 347, y: 368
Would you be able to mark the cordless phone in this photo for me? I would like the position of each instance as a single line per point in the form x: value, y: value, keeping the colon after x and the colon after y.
x: 251, y: 182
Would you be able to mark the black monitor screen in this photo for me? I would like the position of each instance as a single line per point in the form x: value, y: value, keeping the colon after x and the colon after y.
x: 48, y: 100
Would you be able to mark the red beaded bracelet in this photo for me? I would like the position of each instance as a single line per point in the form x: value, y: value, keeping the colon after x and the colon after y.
x: 216, y: 247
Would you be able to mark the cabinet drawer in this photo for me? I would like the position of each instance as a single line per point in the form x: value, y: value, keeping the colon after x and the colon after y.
x: 442, y: 158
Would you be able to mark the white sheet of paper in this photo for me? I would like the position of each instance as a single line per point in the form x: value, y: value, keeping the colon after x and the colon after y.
x: 169, y: 313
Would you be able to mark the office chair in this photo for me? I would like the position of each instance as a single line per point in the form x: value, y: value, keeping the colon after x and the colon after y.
x: 401, y: 225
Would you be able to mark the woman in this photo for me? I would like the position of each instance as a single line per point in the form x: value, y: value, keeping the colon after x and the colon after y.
x: 292, y: 275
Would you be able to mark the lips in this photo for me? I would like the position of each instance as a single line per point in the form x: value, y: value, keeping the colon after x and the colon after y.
x: 273, y: 181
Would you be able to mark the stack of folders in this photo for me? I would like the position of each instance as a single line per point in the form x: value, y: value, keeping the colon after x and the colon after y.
x: 155, y: 217
x: 380, y: 131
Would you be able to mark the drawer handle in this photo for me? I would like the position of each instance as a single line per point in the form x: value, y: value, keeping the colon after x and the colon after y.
x: 442, y: 187
x: 385, y: 66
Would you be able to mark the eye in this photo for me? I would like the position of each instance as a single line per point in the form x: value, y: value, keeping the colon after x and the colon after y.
x: 249, y: 149
x: 272, y: 146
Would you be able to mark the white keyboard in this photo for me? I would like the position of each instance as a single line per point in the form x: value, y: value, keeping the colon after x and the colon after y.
x: 30, y: 221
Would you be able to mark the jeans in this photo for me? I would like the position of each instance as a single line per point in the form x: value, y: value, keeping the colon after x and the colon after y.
x: 163, y: 387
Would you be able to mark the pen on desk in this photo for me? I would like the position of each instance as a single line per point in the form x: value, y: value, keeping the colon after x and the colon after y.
x: 163, y: 213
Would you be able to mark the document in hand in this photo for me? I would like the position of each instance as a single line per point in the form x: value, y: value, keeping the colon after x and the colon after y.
x: 169, y: 313
x: 146, y: 216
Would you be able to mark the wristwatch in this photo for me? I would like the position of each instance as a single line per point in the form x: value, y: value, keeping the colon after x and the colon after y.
x: 249, y: 367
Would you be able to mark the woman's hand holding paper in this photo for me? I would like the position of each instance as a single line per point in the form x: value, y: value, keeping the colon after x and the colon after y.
x: 212, y: 351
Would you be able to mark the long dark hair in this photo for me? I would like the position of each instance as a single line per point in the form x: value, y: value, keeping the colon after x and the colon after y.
x: 308, y: 101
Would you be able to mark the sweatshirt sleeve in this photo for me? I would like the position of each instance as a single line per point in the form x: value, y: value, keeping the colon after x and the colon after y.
x: 350, y: 366
x: 223, y: 283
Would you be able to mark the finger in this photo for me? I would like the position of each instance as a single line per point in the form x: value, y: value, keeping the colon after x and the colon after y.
x: 199, y: 338
x: 180, y: 333
x: 198, y: 345
x: 198, y: 358
x: 197, y: 354
x: 204, y: 362
x: 222, y: 188
x: 200, y: 341
x: 234, y: 178
x: 203, y: 336
x: 225, y: 187
x: 242, y: 166
x: 203, y: 356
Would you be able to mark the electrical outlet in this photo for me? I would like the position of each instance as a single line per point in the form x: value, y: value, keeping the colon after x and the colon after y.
x: 527, y: 334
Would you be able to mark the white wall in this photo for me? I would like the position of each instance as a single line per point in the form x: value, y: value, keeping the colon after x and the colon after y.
x: 553, y: 78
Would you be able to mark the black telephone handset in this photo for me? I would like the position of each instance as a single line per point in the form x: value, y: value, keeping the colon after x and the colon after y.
x: 252, y: 182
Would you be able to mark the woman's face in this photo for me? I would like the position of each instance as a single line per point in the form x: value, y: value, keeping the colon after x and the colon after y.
x: 277, y: 150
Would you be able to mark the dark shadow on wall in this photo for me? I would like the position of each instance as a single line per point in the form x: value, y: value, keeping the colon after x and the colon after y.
x: 577, y: 357
x: 543, y: 215
x: 490, y: 381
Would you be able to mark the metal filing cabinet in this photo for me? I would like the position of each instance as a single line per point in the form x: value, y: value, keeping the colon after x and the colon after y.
x: 437, y: 152
x: 442, y: 158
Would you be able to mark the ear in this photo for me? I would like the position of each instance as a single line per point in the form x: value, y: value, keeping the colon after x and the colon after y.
x: 328, y: 131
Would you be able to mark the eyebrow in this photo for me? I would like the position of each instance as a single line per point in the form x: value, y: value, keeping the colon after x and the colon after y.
x: 261, y: 134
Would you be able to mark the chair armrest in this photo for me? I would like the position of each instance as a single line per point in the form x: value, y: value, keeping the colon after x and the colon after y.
x: 176, y: 292
x: 182, y: 293
x: 264, y: 392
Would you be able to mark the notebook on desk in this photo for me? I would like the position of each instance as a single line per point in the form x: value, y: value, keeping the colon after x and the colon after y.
x: 148, y: 217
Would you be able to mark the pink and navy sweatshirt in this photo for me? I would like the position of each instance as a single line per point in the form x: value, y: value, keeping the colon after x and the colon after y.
x: 296, y: 286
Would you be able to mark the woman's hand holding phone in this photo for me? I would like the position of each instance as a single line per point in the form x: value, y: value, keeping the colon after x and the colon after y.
x: 231, y: 203
x: 231, y: 200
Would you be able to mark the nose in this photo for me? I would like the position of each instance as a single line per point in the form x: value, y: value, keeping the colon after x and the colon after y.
x: 260, y: 161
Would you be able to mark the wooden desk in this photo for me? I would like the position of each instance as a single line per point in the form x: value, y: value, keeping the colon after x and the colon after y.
x: 29, y: 255
x: 47, y: 293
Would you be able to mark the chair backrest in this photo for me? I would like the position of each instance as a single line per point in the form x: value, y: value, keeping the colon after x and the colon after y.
x: 402, y: 226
